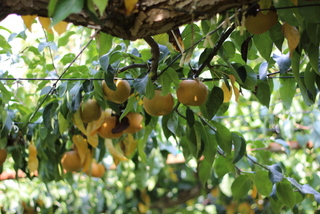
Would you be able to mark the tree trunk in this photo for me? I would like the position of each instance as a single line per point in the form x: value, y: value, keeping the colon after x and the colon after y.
x: 151, y: 17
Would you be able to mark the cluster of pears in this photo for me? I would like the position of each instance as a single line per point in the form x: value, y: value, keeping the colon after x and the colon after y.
x: 192, y: 92
x: 71, y: 162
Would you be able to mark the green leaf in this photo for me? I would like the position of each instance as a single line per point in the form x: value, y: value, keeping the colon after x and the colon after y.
x: 105, y: 42
x: 222, y: 166
x: 264, y: 44
x: 223, y: 137
x: 313, y: 54
x: 140, y: 83
x: 51, y: 7
x: 63, y: 123
x: 295, y: 64
x: 306, y: 188
x: 104, y: 62
x: 227, y: 50
x: 276, y: 35
x: 213, y: 103
x: 285, y: 193
x: 287, y: 90
x: 209, y: 152
x: 263, y: 93
x: 240, y: 187
x: 129, y: 107
x: 239, y: 144
x: 262, y: 182
x: 48, y: 114
x: 288, y: 15
x: 64, y: 8
x: 67, y: 58
x: 310, y: 14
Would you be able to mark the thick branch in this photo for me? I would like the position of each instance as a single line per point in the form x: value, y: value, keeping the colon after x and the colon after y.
x: 151, y: 17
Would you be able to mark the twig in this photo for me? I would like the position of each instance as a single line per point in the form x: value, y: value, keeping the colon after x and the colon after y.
x: 155, y: 51
x: 214, y: 52
x: 133, y: 66
x: 255, y: 162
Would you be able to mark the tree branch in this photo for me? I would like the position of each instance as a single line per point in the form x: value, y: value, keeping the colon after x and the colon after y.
x: 155, y: 51
x: 150, y: 18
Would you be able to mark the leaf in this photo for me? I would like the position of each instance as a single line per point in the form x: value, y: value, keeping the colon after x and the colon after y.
x: 130, y: 5
x: 28, y: 20
x: 101, y: 5
x: 310, y: 14
x: 60, y: 27
x: 113, y: 151
x: 227, y: 92
x: 33, y: 162
x: 306, y: 188
x: 276, y: 35
x: 284, y: 144
x: 288, y: 15
x: 283, y: 61
x: 313, y: 54
x: 48, y: 114
x: 287, y: 90
x: 265, y: 4
x: 235, y: 89
x: 213, y: 103
x: 263, y: 93
x: 64, y: 8
x: 275, y: 173
x: 239, y: 144
x: 104, y: 62
x: 104, y: 42
x: 140, y: 83
x: 209, y: 150
x: 292, y: 35
x: 81, y: 147
x: 295, y: 65
x: 223, y: 137
x: 245, y: 48
x: 63, y: 123
x: 262, y: 182
x: 285, y: 193
x: 240, y: 187
x: 78, y: 121
x: 263, y: 71
x: 264, y: 45
x: 222, y: 166
x: 45, y: 22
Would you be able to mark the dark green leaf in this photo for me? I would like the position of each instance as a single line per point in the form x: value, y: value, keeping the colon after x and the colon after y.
x: 276, y: 35
x: 239, y: 144
x: 313, y: 54
x: 190, y: 117
x: 263, y: 92
x: 288, y: 15
x: 310, y: 14
x: 240, y: 187
x: 48, y: 114
x: 296, y: 73
x: 223, y: 137
x: 214, y: 102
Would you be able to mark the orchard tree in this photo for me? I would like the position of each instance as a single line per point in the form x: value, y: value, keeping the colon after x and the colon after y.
x: 135, y: 106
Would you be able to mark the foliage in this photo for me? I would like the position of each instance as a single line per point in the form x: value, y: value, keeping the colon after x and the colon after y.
x: 232, y: 161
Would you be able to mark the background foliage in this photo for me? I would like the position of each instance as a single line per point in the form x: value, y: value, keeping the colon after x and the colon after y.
x: 257, y: 152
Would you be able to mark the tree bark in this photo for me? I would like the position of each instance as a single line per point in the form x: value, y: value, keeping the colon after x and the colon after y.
x: 151, y: 17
